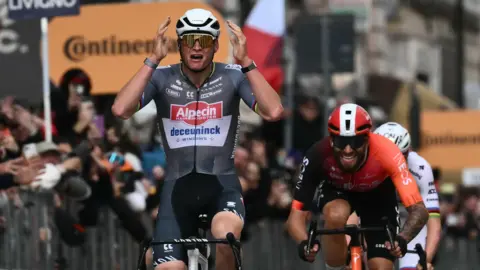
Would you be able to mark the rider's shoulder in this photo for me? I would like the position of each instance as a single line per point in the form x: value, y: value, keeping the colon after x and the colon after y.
x: 384, y: 150
x: 382, y: 143
x: 232, y: 68
x: 415, y: 160
x: 231, y: 71
x: 164, y: 67
x: 166, y: 70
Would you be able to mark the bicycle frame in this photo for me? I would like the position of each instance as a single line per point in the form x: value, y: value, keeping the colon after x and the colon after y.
x: 355, y: 231
x: 195, y: 257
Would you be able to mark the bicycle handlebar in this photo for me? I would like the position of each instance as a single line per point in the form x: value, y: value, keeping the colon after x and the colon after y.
x: 355, y: 230
x: 230, y: 240
x: 418, y: 248
x: 183, y: 241
x: 348, y: 230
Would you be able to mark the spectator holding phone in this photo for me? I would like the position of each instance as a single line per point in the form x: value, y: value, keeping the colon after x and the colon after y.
x: 73, y: 107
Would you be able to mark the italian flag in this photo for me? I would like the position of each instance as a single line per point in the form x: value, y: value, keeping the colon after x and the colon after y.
x: 264, y: 29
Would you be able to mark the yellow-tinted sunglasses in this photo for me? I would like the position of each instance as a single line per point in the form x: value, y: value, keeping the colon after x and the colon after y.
x: 205, y: 41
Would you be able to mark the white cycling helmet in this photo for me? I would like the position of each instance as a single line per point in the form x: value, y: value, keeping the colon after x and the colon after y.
x: 198, y: 20
x: 396, y: 133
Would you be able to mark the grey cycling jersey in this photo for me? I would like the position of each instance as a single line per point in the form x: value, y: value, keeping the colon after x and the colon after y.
x: 199, y: 127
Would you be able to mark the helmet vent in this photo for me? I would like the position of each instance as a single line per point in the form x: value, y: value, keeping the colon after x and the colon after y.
x: 216, y: 25
x: 348, y: 112
x: 333, y: 127
x: 363, y: 127
x: 180, y: 24
x: 347, y: 123
x: 209, y: 20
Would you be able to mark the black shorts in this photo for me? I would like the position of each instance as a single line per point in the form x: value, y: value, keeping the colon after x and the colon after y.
x: 181, y: 203
x: 371, y: 207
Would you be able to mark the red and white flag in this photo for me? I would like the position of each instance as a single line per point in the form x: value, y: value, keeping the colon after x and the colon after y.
x: 264, y: 29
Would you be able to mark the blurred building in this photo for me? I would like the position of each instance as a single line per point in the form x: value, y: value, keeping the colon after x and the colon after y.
x: 411, y: 37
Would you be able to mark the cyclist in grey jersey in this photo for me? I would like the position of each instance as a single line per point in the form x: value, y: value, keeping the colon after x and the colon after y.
x: 199, y: 126
x: 197, y: 106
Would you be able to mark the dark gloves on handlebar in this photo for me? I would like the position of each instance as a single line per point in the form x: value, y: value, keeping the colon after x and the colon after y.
x: 303, y: 247
x: 402, y: 244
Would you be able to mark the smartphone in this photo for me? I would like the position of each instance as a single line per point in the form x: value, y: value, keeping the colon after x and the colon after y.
x: 116, y: 158
x: 29, y: 150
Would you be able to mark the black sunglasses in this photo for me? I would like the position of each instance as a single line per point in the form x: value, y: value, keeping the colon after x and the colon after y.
x: 354, y: 141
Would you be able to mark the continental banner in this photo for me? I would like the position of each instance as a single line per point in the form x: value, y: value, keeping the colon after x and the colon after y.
x: 110, y: 41
x: 451, y: 139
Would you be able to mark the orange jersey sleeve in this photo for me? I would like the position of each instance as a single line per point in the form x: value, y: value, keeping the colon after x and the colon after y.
x: 395, y: 164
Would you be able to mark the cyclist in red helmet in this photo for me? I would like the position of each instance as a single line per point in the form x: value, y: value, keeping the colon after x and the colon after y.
x: 355, y: 170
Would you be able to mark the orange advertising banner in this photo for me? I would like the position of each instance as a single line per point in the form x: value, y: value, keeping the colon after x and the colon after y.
x: 109, y: 42
x: 451, y: 139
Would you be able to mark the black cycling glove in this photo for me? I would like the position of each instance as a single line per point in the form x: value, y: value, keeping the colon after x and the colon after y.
x: 402, y: 244
x: 302, y: 248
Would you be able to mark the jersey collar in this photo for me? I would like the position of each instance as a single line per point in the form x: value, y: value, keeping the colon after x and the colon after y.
x: 206, y: 80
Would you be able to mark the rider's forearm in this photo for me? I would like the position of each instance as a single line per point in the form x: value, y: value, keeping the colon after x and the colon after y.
x: 417, y: 218
x: 127, y: 100
x: 268, y: 102
x: 434, y: 230
x: 296, y: 225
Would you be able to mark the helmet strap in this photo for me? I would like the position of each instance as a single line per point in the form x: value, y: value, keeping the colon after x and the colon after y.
x: 364, y: 157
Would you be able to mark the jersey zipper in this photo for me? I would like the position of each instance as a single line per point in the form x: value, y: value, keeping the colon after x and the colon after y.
x: 197, y: 97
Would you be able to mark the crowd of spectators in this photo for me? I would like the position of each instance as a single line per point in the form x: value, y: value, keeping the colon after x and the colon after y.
x: 100, y: 162
x: 120, y: 164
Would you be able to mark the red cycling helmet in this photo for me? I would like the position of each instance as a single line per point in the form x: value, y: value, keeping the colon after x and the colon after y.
x: 349, y: 120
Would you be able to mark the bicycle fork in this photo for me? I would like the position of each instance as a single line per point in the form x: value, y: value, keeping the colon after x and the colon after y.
x: 356, y: 254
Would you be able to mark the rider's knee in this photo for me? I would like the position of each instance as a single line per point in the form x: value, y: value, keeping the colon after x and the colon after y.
x: 353, y: 219
x: 328, y: 267
x: 225, y: 222
x: 336, y: 213
x: 173, y: 265
x: 380, y: 264
x: 149, y: 257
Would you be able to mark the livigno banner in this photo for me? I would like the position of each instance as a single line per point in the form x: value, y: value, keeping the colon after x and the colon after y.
x: 109, y: 42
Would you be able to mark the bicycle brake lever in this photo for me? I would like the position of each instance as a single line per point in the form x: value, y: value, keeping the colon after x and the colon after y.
x: 232, y: 240
x: 234, y: 244
x: 421, y: 255
x: 389, y: 232
x: 311, y: 235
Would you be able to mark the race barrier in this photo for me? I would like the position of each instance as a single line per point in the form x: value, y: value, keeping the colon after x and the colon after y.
x: 29, y: 240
